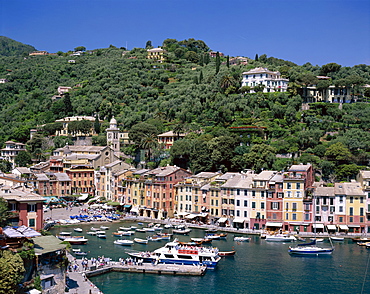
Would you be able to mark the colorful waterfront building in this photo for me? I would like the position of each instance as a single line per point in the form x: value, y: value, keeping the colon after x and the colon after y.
x: 297, y: 187
x: 274, y: 203
x: 352, y: 200
x: 258, y: 194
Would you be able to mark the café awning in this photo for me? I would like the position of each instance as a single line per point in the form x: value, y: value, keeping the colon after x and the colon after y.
x: 331, y: 227
x: 238, y: 220
x: 222, y: 220
x: 318, y: 226
x: 135, y: 209
x: 343, y: 227
x: 272, y: 224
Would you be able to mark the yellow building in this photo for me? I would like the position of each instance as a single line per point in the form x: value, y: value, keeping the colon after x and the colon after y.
x: 157, y: 54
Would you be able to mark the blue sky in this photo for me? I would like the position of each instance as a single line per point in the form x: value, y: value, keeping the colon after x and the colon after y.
x: 315, y: 31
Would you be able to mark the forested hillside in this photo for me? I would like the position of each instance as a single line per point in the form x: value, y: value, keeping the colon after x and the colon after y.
x: 9, y: 47
x: 228, y: 128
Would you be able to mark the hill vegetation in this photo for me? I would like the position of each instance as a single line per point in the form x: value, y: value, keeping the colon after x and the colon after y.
x: 228, y: 128
x: 9, y: 47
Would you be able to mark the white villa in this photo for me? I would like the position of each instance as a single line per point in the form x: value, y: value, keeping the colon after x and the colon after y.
x: 272, y: 80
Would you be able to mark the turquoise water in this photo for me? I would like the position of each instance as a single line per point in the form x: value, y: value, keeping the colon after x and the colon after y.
x: 257, y: 267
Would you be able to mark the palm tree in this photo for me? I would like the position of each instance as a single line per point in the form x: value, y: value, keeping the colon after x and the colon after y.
x: 149, y: 142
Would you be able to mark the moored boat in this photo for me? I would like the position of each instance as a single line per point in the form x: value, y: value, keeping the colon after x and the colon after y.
x: 101, y: 236
x: 140, y: 241
x: 335, y: 238
x: 242, y: 239
x: 184, y: 231
x: 81, y: 253
x: 78, y: 230
x: 310, y: 249
x: 280, y: 238
x: 77, y: 240
x: 154, y: 238
x: 227, y: 253
x: 174, y: 253
x: 65, y: 233
x: 124, y: 242
x: 104, y: 228
x: 361, y: 239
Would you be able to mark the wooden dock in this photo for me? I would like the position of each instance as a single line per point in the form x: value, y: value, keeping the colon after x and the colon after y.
x: 148, y: 268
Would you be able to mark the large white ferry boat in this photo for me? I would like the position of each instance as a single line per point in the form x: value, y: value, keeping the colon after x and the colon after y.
x: 175, y: 253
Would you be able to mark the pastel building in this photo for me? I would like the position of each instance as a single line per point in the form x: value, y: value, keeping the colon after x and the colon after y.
x: 271, y: 80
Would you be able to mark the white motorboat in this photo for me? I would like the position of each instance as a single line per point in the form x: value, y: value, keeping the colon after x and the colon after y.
x: 92, y: 233
x: 76, y: 240
x: 104, y: 228
x: 317, y: 240
x: 280, y: 238
x: 175, y: 253
x: 124, y: 242
x: 140, y: 241
x: 124, y: 229
x: 65, y: 233
x: 78, y: 230
x: 183, y: 231
x: 148, y: 229
x: 155, y: 238
x: 242, y: 239
x: 336, y: 238
x: 102, y: 236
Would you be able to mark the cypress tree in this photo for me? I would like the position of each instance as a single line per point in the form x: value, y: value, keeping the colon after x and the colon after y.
x: 256, y: 57
x: 97, y: 125
x: 228, y: 61
x: 218, y: 62
x: 200, y: 77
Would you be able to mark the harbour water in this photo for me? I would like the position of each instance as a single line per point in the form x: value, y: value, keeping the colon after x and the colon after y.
x: 257, y: 267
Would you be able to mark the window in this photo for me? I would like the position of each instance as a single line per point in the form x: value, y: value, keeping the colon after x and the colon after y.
x: 351, y: 211
x: 298, y: 194
x: 350, y: 199
x: 361, y: 211
x: 245, y: 214
x: 287, y: 206
x: 262, y: 194
x: 351, y: 219
x: 289, y: 194
x: 274, y: 216
x: 288, y: 185
x: 294, y: 208
x: 262, y: 205
x: 287, y: 216
x: 245, y: 203
x: 253, y: 204
x: 361, y: 199
x: 306, y: 216
x: 275, y: 205
x: 253, y: 193
x: 341, y: 219
x: 31, y: 207
x: 31, y: 222
x: 237, y: 202
x: 340, y: 208
x: 294, y: 216
x: 298, y: 185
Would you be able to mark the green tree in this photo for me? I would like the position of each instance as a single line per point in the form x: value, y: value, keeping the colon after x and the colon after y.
x: 80, y: 48
x: 260, y: 156
x: 329, y: 68
x: 141, y: 130
x: 68, y: 108
x: 148, y: 45
x: 345, y: 172
x: 256, y: 57
x: 218, y: 62
x: 23, y: 159
x: 11, y: 272
x: 228, y: 61
x: 338, y: 152
x: 97, y: 125
x: 4, y: 212
x: 5, y: 166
